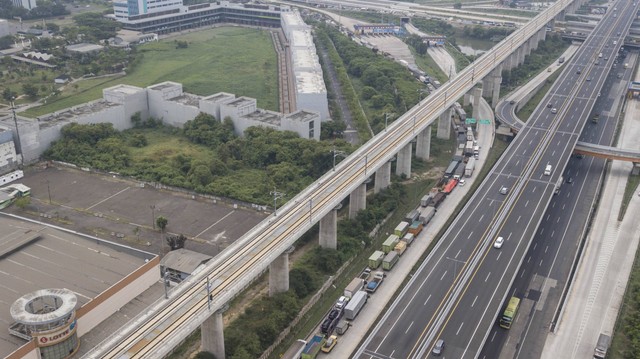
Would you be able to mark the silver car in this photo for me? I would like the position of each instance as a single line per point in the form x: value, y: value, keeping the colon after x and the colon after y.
x: 438, y: 348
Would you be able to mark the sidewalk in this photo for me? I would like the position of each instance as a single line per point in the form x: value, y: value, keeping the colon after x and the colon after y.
x: 348, y: 342
x: 596, y: 294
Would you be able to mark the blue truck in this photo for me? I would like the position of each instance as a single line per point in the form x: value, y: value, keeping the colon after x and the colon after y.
x: 313, y: 347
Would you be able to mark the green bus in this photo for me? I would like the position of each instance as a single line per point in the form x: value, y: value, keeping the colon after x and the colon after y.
x: 510, y: 313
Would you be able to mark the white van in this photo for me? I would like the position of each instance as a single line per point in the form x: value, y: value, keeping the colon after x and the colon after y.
x: 547, y: 170
x: 600, y: 55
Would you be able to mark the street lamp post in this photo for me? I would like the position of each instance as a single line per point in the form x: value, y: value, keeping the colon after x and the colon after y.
x: 15, y: 121
x: 276, y: 196
x: 336, y: 154
x: 153, y: 215
x: 455, y: 266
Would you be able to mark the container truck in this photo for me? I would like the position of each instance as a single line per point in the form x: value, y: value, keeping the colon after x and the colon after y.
x: 376, y: 259
x: 401, y: 247
x: 468, y: 148
x: 355, y: 285
x: 412, y: 216
x: 459, y: 172
x: 295, y: 350
x: 425, y: 200
x: 375, y: 282
x: 408, y: 239
x: 449, y: 186
x: 390, y: 243
x: 468, y: 169
x: 401, y: 229
x: 415, y: 228
x: 313, y: 347
x: 390, y: 260
x: 451, y: 169
x: 602, y: 347
x: 426, y: 214
x: 355, y: 305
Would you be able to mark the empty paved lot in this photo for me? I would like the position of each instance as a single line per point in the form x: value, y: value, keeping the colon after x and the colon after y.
x: 122, y: 210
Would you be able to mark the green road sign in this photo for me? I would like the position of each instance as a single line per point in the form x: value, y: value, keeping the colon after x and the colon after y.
x: 470, y: 120
x: 484, y: 122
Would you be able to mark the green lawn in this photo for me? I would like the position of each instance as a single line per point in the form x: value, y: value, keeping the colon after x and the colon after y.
x: 208, y: 65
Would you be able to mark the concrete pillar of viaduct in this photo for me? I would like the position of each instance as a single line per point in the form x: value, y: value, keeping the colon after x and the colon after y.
x: 279, y: 273
x: 466, y: 99
x: 403, y: 164
x: 477, y: 94
x: 444, y: 125
x: 357, y: 200
x: 423, y: 144
x: 497, y: 80
x: 212, y: 335
x: 383, y: 177
x: 542, y: 35
x: 329, y: 230
x: 635, y: 170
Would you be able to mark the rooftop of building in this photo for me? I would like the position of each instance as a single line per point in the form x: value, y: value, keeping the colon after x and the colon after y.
x: 187, y: 99
x: 124, y: 89
x: 264, y: 116
x: 164, y: 85
x: 184, y: 260
x: 310, y: 82
x: 304, y: 58
x: 301, y: 38
x: 69, y: 114
x: 302, y: 116
x: 36, y: 256
x: 220, y: 96
x: 241, y: 101
x: 84, y: 48
x: 292, y: 18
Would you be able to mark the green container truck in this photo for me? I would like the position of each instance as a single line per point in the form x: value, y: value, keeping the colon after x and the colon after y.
x: 401, y: 229
x: 390, y: 243
x: 375, y: 259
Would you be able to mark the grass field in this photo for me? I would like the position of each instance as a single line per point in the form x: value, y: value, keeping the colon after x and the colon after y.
x: 208, y: 65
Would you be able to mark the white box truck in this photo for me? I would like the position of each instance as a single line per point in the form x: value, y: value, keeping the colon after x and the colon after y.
x: 355, y: 305
x: 471, y: 165
x: 353, y: 287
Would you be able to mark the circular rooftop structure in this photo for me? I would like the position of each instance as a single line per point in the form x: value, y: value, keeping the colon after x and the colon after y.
x: 44, y: 308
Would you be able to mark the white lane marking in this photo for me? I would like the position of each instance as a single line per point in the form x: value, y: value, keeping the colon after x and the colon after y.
x: 481, y: 217
x: 499, y: 254
x: 443, y: 274
x: 486, y: 279
x: 529, y: 259
x: 425, y: 302
x: 108, y: 198
x: 540, y: 263
x: 518, y: 220
x: 457, y: 254
x: 458, y: 331
x: 526, y: 203
x: 474, y: 301
x: 409, y: 327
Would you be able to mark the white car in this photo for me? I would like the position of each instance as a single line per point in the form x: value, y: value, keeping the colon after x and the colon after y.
x: 462, y: 183
x: 504, y: 190
x: 498, y: 243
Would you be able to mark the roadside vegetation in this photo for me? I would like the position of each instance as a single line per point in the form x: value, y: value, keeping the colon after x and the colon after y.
x: 629, y: 192
x: 204, y: 156
x: 525, y: 111
x: 625, y: 343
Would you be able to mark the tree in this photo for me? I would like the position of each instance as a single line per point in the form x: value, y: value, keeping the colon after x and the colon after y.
x: 6, y: 42
x: 7, y: 94
x: 162, y: 222
x: 176, y: 242
x: 30, y: 90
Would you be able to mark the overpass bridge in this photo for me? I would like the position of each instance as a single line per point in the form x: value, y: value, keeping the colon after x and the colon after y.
x: 505, y: 113
x: 197, y: 301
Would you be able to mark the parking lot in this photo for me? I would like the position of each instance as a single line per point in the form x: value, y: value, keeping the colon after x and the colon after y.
x: 123, y: 210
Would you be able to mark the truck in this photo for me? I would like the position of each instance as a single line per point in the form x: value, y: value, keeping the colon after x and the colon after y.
x: 459, y: 172
x: 468, y: 169
x: 401, y: 229
x: 425, y: 200
x: 390, y: 260
x: 295, y: 350
x: 365, y: 274
x: 449, y: 186
x: 355, y: 305
x: 448, y: 173
x: 376, y: 259
x: 426, y: 215
x: 400, y: 247
x: 558, y: 185
x: 313, y: 347
x: 415, y: 228
x: 468, y: 148
x: 412, y: 216
x: 626, y: 65
x: 375, y: 282
x: 476, y: 151
x: 437, y: 199
x: 390, y: 243
x: 408, y: 239
x: 355, y: 285
x: 342, y: 327
x: 600, y: 352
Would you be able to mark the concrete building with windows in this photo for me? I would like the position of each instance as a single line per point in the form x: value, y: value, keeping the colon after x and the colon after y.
x: 165, y: 101
x: 8, y: 155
